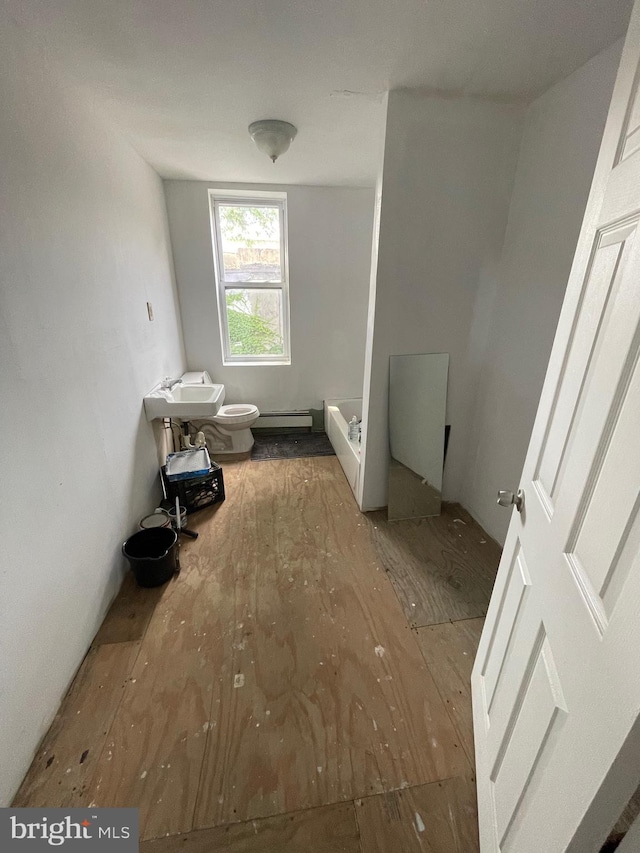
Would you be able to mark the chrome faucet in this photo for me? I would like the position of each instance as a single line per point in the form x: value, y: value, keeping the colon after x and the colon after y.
x: 169, y: 384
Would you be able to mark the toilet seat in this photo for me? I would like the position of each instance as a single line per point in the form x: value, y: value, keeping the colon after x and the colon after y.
x: 236, y: 413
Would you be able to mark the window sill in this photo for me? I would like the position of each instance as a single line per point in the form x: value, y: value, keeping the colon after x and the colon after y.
x: 256, y: 363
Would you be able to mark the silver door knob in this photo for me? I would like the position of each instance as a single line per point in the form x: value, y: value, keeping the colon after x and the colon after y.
x: 507, y: 498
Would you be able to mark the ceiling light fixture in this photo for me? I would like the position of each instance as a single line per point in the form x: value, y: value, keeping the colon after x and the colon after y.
x: 272, y: 136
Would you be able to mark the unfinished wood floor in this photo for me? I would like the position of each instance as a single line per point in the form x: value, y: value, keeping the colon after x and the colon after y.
x: 442, y: 568
x: 273, y: 696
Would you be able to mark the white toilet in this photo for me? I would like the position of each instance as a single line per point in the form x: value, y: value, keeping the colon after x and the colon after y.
x: 229, y: 431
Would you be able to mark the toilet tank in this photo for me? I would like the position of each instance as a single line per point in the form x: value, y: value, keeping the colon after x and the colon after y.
x: 196, y: 377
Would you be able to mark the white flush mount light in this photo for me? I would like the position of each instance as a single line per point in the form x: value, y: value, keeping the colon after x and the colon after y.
x: 272, y: 136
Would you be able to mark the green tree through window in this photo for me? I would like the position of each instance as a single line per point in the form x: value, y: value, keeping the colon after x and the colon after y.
x: 248, y: 331
x: 245, y: 223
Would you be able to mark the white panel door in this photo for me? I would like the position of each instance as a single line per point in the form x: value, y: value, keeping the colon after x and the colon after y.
x: 556, y: 683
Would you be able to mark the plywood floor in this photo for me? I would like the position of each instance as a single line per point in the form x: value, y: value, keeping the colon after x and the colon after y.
x: 442, y: 568
x: 274, y: 695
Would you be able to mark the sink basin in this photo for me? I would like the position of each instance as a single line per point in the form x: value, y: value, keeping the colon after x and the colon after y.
x: 193, y: 393
x: 184, y: 402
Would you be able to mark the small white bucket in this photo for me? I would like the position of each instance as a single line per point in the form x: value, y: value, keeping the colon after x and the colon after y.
x: 159, y: 518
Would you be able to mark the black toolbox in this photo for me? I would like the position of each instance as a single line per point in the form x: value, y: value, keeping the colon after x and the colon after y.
x: 196, y: 492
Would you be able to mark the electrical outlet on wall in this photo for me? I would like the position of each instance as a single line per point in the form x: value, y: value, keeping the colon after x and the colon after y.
x: 150, y: 311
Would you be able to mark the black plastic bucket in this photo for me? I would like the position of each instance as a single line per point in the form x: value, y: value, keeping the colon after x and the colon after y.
x: 152, y: 555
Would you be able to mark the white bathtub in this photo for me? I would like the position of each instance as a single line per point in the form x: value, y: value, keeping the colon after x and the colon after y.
x: 337, y: 414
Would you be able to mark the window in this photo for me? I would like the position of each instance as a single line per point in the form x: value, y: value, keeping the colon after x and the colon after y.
x: 251, y: 267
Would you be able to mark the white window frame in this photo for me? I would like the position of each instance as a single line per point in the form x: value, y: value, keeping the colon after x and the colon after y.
x: 250, y: 199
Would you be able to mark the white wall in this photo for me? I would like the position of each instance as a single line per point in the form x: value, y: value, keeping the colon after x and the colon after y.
x: 557, y: 158
x: 83, y: 246
x: 329, y: 260
x: 447, y: 178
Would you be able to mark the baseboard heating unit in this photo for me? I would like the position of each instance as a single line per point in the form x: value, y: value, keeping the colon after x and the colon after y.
x: 284, y: 420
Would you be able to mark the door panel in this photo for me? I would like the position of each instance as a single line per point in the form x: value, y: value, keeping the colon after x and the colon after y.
x: 538, y: 711
x: 500, y: 645
x: 603, y: 527
x: 630, y: 136
x: 600, y: 293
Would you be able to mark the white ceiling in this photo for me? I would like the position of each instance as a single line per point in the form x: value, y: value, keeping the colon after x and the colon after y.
x: 184, y: 78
